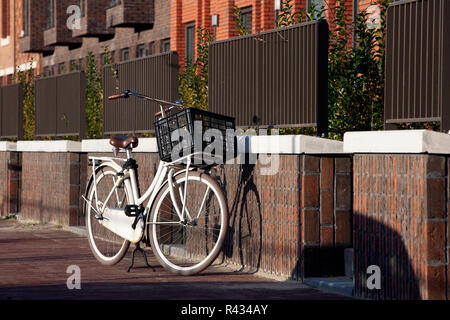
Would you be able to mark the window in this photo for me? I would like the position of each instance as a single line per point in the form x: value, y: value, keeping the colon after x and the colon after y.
x: 247, y: 19
x: 4, y: 18
x: 278, y: 7
x: 26, y: 17
x: 165, y: 45
x: 104, y: 58
x: 74, y: 65
x: 152, y: 48
x: 61, y: 68
x: 141, y: 51
x: 125, y: 54
x: 48, y: 72
x: 51, y: 14
x: 190, y: 42
x: 114, y: 3
x: 82, y: 5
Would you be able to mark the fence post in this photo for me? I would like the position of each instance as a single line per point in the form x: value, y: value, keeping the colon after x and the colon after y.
x: 322, y: 85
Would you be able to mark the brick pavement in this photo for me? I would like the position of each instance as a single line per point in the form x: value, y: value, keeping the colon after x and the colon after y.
x: 34, y: 260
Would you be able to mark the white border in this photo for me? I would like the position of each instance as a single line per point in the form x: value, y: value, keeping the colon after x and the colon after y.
x: 49, y: 146
x: 400, y: 141
x: 6, y: 146
x: 294, y: 144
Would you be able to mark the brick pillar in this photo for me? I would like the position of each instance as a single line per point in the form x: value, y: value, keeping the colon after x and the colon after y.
x: 51, y: 187
x: 400, y: 221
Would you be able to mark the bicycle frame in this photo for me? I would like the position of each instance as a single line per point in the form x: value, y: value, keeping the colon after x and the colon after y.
x: 164, y: 174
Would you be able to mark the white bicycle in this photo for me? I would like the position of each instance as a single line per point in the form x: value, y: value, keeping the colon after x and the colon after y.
x: 184, y: 220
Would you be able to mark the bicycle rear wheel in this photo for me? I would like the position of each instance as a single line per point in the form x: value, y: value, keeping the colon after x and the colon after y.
x: 189, y: 246
x: 107, y: 247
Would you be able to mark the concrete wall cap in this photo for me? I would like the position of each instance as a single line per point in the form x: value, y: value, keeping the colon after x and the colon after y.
x: 6, y: 146
x: 293, y: 144
x: 397, y: 141
x: 49, y: 146
x: 102, y: 146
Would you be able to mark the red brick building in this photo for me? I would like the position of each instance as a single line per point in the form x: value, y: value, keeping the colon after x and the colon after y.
x: 11, y: 58
x: 130, y: 29
x: 38, y: 30
x: 218, y: 16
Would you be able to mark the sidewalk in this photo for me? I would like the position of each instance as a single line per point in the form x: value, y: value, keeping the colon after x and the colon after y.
x: 34, y: 260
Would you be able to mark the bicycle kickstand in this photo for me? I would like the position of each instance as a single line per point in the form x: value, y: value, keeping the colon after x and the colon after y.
x: 138, y: 248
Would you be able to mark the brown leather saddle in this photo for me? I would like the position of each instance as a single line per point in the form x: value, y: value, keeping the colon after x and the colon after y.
x: 124, y: 142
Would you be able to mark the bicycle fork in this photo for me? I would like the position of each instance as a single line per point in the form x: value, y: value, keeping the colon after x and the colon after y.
x: 182, y: 191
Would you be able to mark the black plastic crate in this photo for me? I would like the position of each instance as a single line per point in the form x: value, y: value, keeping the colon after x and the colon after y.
x: 189, y: 119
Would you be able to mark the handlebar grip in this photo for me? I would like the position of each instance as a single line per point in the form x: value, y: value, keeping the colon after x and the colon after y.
x: 115, y: 97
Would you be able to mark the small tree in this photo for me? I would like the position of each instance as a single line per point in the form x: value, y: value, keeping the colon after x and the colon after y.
x: 193, y: 82
x: 27, y: 78
x: 94, y: 99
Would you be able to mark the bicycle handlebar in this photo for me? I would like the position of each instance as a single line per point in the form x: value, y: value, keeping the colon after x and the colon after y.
x: 127, y: 93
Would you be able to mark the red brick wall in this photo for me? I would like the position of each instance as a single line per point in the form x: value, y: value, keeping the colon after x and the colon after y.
x: 277, y: 223
x: 400, y: 222
x: 51, y: 187
x: 325, y: 214
x: 10, y: 170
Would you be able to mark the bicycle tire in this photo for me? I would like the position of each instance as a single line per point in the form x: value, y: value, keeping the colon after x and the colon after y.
x: 101, y: 239
x: 179, y: 247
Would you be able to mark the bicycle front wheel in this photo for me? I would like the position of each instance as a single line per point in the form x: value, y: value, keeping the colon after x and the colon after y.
x: 187, y: 245
x: 107, y: 247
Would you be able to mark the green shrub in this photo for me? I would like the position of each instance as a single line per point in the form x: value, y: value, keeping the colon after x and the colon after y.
x: 193, y: 80
x: 356, y: 74
x: 27, y: 78
x: 94, y: 99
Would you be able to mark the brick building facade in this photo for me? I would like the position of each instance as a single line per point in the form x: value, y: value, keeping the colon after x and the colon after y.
x: 11, y: 30
x: 129, y: 30
x: 219, y: 17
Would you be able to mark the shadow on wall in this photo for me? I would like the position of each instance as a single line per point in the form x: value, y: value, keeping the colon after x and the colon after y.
x: 245, y: 229
x: 376, y: 244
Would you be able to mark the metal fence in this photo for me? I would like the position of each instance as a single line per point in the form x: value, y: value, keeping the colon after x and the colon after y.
x: 155, y: 76
x: 274, y: 78
x: 417, y: 63
x: 60, y: 103
x: 11, y: 112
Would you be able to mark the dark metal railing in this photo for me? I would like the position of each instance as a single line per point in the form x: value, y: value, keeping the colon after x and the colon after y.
x: 60, y: 103
x: 11, y: 112
x: 275, y: 78
x: 417, y: 65
x: 155, y: 76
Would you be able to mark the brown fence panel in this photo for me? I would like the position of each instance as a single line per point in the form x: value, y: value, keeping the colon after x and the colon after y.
x: 417, y: 64
x: 61, y: 105
x: 275, y: 78
x: 11, y: 112
x: 155, y: 76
